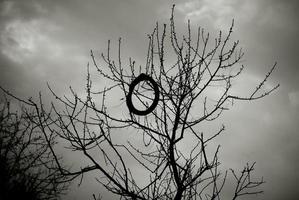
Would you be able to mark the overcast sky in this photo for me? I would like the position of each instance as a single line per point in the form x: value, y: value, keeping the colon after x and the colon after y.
x: 50, y: 41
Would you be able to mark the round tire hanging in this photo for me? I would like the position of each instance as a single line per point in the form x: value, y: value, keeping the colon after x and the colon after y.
x: 142, y: 77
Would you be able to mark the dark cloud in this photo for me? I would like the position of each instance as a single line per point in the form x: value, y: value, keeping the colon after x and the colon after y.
x: 273, y: 36
x: 9, y: 70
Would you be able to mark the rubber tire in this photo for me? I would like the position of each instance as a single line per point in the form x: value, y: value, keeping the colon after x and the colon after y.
x: 132, y: 109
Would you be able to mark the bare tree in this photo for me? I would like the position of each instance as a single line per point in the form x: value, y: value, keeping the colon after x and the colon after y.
x: 182, y: 72
x: 27, y: 167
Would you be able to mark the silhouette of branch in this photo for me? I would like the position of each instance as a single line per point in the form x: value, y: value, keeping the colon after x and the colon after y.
x: 187, y: 98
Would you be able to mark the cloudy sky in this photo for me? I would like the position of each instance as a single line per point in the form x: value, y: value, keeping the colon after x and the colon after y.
x: 50, y: 41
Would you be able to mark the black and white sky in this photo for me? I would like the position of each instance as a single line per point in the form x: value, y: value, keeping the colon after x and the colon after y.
x: 50, y: 41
